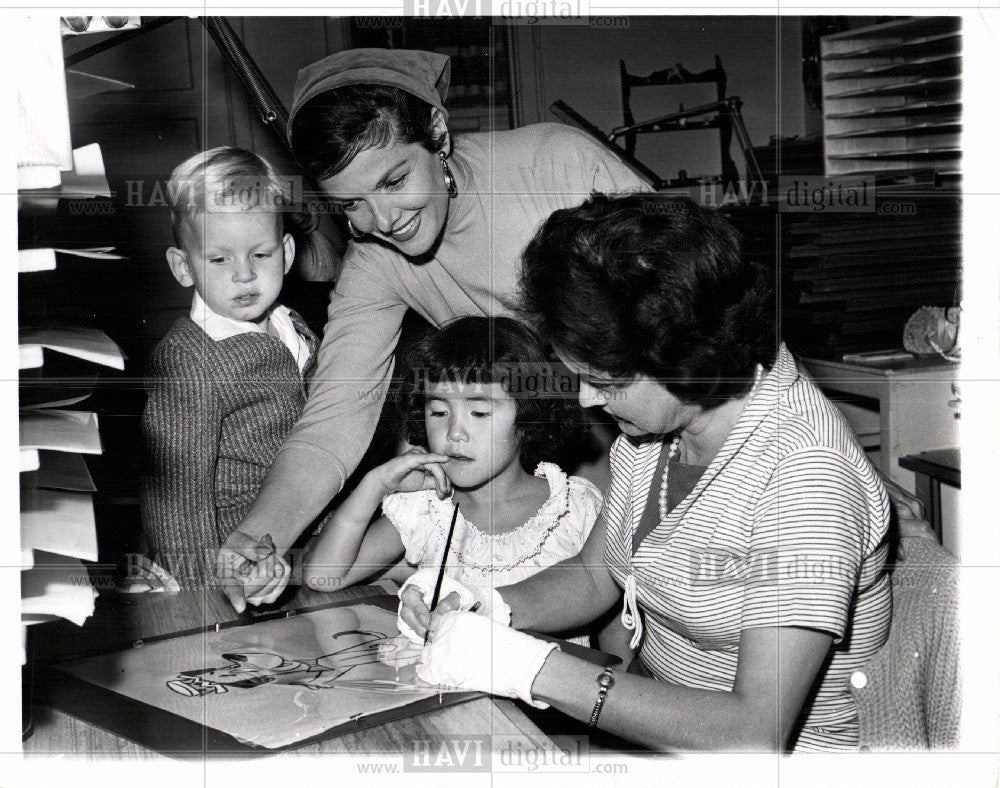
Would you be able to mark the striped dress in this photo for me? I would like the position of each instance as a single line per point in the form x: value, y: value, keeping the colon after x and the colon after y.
x: 786, y: 527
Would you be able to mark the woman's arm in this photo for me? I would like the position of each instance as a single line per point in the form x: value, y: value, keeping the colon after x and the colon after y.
x: 777, y: 668
x: 569, y: 594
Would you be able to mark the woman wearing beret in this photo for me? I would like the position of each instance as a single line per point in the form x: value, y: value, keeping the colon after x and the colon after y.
x: 438, y: 225
x: 743, y: 522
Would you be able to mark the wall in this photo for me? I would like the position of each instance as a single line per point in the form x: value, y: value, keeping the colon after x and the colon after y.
x: 761, y: 56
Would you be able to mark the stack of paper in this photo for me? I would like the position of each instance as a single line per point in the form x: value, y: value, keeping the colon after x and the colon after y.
x: 30, y: 260
x: 56, y: 495
x: 86, y: 179
x: 57, y: 514
x: 43, y: 138
x: 57, y: 507
x: 89, y: 344
x: 57, y: 587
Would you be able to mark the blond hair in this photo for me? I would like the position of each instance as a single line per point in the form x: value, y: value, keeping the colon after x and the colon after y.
x: 224, y: 179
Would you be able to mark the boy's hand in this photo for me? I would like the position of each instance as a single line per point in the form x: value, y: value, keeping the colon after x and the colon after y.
x: 250, y: 571
x: 417, y: 469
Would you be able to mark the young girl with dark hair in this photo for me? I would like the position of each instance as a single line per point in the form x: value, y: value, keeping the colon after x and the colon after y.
x: 484, y: 409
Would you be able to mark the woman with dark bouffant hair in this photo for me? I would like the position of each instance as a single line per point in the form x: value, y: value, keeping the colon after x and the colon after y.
x: 744, y: 531
x: 485, y: 414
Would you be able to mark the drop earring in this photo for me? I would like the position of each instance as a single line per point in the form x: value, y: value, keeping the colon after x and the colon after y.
x: 354, y: 231
x: 449, y: 179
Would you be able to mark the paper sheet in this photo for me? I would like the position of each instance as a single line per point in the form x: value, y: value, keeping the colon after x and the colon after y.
x: 60, y: 470
x: 55, y: 403
x: 44, y: 259
x: 57, y: 586
x: 31, y: 260
x: 272, y: 683
x: 87, y: 343
x: 60, y: 430
x: 28, y: 460
x: 43, y: 136
x: 87, y: 178
x: 58, y: 521
x: 81, y: 85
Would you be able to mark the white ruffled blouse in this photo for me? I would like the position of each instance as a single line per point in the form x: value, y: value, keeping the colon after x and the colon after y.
x: 557, y: 531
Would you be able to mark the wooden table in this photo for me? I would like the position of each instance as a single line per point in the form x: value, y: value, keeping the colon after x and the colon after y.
x: 119, y: 622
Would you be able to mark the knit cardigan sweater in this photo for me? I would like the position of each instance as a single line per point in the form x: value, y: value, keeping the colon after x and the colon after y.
x: 215, y: 417
x: 908, y: 695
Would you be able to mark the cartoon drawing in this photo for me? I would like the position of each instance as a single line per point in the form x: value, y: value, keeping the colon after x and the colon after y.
x: 253, y: 669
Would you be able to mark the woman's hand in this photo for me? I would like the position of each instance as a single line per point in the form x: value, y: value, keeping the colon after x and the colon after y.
x: 251, y: 571
x: 417, y: 469
x: 472, y: 652
x: 415, y: 596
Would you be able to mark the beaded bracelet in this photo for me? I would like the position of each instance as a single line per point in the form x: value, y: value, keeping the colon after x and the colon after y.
x: 604, y: 682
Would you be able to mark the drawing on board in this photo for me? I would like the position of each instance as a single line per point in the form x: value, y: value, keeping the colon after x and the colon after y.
x: 274, y: 683
x: 254, y: 669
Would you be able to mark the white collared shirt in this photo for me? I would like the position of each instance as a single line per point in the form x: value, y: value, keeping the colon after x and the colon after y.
x: 220, y: 327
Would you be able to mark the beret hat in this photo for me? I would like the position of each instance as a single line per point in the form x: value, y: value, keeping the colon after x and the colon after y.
x: 424, y: 74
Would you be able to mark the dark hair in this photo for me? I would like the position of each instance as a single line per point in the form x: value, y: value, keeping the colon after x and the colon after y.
x: 652, y: 285
x: 334, y: 127
x: 480, y: 350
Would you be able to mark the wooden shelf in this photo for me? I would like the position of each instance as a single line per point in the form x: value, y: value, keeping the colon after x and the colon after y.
x: 892, y: 97
x: 907, y: 130
x: 944, y: 42
x: 929, y: 86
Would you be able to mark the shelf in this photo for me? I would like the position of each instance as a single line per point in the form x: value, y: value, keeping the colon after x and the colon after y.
x: 908, y: 130
x: 910, y: 27
x: 942, y: 42
x: 952, y: 106
x: 938, y: 153
x: 892, y: 98
x: 939, y: 64
x: 920, y: 87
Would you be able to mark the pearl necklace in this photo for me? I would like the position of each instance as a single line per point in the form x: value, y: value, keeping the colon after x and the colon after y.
x: 676, y: 442
x: 674, y: 445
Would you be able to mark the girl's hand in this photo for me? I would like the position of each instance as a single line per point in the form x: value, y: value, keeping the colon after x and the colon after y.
x: 415, y: 470
x: 414, y: 617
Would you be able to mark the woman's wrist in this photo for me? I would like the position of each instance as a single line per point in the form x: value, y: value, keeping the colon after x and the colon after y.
x: 541, y: 680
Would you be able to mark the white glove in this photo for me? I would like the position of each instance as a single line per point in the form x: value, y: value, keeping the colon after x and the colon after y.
x: 490, y: 602
x: 472, y: 652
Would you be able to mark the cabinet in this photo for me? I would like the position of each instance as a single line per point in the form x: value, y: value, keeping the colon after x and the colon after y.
x: 63, y: 239
x: 892, y: 97
x: 895, y: 411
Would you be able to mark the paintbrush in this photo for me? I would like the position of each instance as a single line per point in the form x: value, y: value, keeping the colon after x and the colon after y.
x: 444, y: 563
